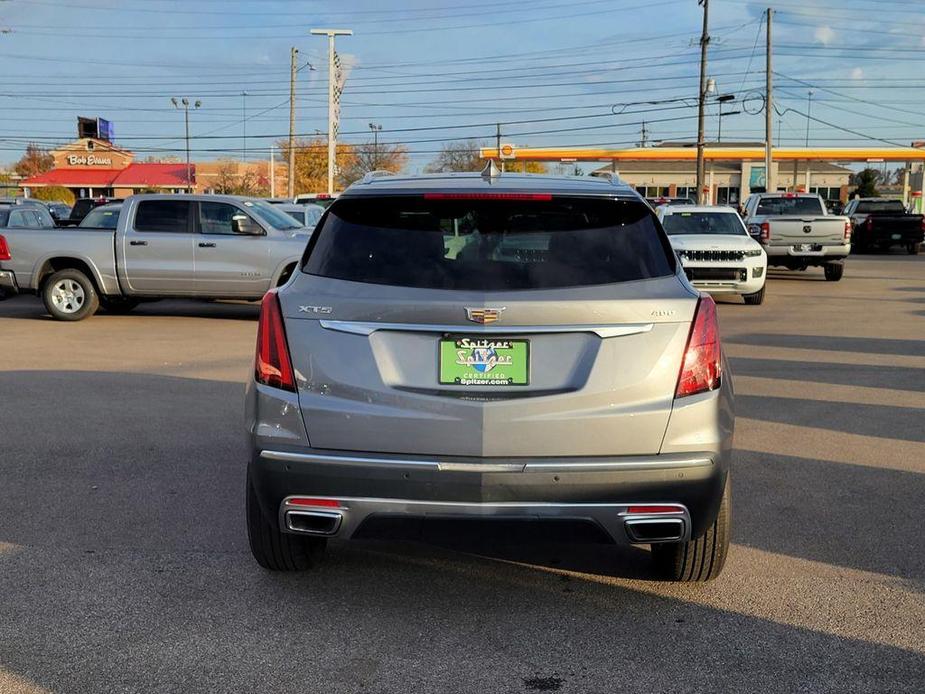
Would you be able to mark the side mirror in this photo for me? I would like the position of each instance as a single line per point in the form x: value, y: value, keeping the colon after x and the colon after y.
x: 244, y: 225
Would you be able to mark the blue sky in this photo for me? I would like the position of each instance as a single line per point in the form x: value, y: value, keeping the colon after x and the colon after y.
x: 553, y: 72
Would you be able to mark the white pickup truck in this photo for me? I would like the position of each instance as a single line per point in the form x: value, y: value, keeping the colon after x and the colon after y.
x: 797, y: 232
x: 160, y: 246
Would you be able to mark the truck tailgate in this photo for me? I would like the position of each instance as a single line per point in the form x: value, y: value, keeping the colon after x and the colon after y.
x: 788, y: 231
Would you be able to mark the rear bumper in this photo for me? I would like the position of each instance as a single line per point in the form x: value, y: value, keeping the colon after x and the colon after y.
x: 787, y: 256
x: 8, y: 285
x: 597, y: 490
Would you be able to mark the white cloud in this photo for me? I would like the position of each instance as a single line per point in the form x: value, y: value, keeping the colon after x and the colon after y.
x: 857, y: 74
x: 824, y: 35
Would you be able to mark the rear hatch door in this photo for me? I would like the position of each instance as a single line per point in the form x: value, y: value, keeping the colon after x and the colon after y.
x: 488, y: 329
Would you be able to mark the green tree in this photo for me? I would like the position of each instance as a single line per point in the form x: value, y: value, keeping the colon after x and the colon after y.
x: 54, y: 194
x: 866, y: 182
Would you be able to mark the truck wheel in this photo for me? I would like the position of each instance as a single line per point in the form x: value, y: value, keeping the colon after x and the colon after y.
x: 834, y: 272
x: 754, y: 299
x: 913, y: 248
x: 701, y: 559
x: 118, y: 305
x: 70, y: 295
x: 274, y: 550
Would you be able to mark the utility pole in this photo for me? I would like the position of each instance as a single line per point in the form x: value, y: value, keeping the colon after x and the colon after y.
x: 244, y: 122
x: 498, y: 145
x: 333, y: 99
x: 809, y: 111
x: 769, y: 185
x: 184, y: 105
x: 376, y: 128
x: 701, y: 102
x: 290, y: 186
x: 272, y: 171
x: 644, y: 136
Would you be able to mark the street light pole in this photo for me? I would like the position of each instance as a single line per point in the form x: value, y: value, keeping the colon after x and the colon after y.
x: 376, y: 128
x: 184, y: 105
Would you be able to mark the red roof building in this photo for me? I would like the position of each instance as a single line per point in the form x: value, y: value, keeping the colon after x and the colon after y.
x: 90, y: 167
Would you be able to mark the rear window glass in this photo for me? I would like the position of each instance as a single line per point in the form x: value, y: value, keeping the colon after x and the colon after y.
x: 882, y: 206
x: 703, y: 223
x: 102, y: 218
x: 489, y: 244
x: 784, y: 206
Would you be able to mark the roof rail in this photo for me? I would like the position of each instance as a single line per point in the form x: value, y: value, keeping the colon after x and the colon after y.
x: 371, y: 176
x: 611, y: 176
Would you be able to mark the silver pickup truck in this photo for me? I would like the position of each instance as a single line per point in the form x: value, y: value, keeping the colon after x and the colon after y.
x: 797, y: 232
x: 178, y: 246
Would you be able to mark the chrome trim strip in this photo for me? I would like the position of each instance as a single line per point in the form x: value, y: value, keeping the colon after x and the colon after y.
x: 450, y: 466
x: 348, y: 460
x: 604, y: 331
x: 606, y: 465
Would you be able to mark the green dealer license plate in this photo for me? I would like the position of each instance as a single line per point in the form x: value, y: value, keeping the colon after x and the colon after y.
x: 484, y: 361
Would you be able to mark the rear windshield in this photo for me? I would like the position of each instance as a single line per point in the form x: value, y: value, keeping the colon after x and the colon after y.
x: 703, y: 223
x: 882, y: 206
x: 785, y: 206
x: 489, y: 244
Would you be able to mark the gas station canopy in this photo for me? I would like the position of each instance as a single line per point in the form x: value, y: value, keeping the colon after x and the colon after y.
x: 827, y: 154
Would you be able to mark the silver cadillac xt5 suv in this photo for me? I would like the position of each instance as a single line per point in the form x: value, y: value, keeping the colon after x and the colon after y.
x: 490, y: 349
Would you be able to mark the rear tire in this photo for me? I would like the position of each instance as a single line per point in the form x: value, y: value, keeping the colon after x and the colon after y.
x: 69, y: 295
x: 275, y: 550
x: 834, y: 272
x: 754, y: 299
x: 701, y: 559
x: 913, y: 248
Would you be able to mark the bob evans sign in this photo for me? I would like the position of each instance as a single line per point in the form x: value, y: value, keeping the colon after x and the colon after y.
x: 88, y: 160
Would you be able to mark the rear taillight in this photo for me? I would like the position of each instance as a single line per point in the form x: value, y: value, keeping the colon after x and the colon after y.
x: 488, y: 196
x: 273, y: 366
x: 765, y: 234
x: 847, y: 231
x: 4, y: 249
x: 701, y: 369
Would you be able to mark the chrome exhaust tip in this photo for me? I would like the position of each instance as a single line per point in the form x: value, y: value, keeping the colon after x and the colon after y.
x: 314, y: 522
x: 654, y: 530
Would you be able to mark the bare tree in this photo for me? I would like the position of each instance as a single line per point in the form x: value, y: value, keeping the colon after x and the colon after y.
x: 462, y: 155
x: 370, y: 157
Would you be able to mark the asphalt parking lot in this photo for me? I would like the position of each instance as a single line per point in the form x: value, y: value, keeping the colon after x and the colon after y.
x: 124, y: 563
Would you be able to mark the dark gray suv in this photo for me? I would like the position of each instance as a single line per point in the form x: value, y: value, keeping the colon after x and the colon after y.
x: 481, y: 348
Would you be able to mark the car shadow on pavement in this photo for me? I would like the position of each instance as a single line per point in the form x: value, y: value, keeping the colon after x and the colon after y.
x: 124, y: 566
x: 836, y: 513
x: 830, y: 343
x: 31, y: 308
x: 891, y: 422
x: 867, y: 375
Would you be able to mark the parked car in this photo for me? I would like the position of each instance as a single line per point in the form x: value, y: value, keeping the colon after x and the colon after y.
x: 59, y: 211
x: 25, y: 216
x: 878, y: 223
x: 479, y: 349
x: 323, y: 199
x: 664, y: 200
x: 102, y: 217
x: 716, y: 250
x: 184, y: 246
x: 797, y: 232
x: 306, y: 215
x: 81, y: 207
